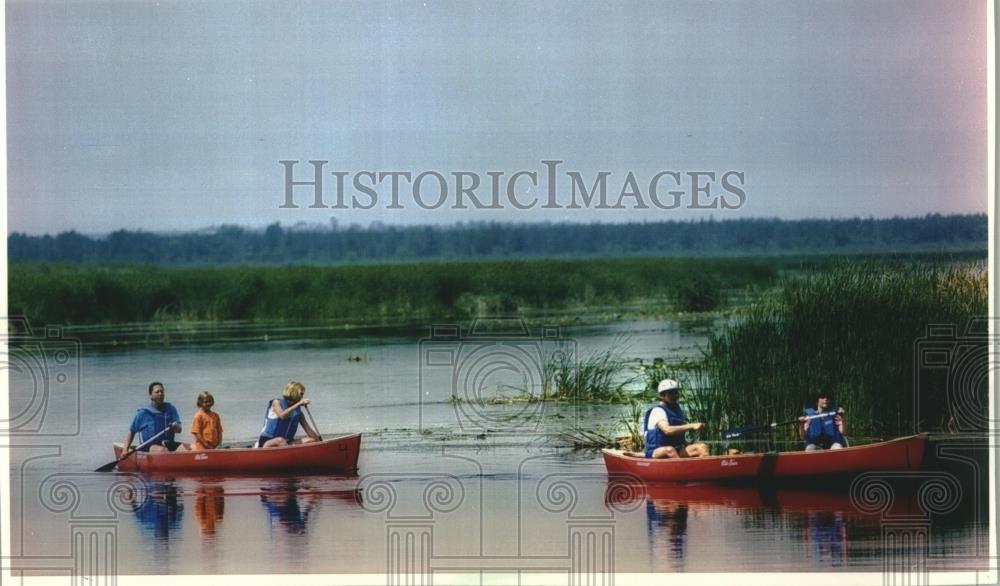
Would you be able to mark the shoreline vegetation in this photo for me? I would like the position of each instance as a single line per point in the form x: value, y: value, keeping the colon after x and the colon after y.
x: 166, y: 302
x: 83, y: 294
x: 849, y: 325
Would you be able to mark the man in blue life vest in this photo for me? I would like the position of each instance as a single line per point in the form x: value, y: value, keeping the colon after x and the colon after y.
x: 665, y: 426
x: 822, y: 428
x: 156, y: 417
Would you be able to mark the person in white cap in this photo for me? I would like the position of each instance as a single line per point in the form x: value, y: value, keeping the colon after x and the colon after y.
x: 665, y: 426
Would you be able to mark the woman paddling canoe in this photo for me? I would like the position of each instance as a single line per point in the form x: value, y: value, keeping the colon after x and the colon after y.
x: 282, y: 418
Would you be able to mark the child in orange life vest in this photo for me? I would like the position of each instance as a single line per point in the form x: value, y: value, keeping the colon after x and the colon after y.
x: 206, y: 427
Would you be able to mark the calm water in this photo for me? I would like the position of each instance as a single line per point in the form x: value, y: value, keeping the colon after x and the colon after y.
x: 440, y: 487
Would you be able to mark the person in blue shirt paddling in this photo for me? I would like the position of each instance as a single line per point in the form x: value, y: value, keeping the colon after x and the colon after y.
x: 154, y: 418
x: 665, y: 426
x: 822, y: 428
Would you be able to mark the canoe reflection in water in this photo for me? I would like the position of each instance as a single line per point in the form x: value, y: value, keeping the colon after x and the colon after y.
x: 822, y: 517
x: 159, y: 511
x: 290, y: 503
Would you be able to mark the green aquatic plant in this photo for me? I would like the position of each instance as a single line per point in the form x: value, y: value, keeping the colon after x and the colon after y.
x: 630, y: 421
x: 582, y: 438
x: 854, y: 332
x: 600, y: 376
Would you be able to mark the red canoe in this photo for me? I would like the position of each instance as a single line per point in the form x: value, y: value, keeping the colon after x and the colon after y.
x: 339, y: 454
x: 899, y: 454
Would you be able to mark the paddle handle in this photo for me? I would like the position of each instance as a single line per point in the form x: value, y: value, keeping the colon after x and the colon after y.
x: 312, y: 422
x: 110, y: 465
x: 145, y: 443
x: 735, y: 433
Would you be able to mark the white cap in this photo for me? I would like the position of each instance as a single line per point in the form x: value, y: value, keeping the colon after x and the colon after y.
x: 667, y: 384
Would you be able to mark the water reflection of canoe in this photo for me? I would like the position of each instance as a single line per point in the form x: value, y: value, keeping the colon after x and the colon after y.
x: 899, y: 454
x: 752, y: 498
x: 339, y: 454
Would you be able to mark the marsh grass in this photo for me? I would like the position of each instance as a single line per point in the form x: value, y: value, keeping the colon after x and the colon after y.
x: 630, y: 422
x: 82, y: 294
x: 582, y: 438
x: 850, y: 331
x: 601, y: 376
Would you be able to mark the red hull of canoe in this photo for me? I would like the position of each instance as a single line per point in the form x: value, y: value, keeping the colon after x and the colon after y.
x: 900, y: 454
x: 338, y: 454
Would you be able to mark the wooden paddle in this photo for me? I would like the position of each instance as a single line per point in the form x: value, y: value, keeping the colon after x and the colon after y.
x: 312, y: 422
x: 107, y: 467
x: 740, y: 431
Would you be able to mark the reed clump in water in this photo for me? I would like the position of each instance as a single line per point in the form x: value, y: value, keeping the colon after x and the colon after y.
x: 626, y: 434
x: 600, y: 377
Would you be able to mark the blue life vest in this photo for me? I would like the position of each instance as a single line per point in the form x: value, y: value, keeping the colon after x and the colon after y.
x: 278, y: 427
x: 823, y: 431
x: 656, y: 438
x: 150, y: 421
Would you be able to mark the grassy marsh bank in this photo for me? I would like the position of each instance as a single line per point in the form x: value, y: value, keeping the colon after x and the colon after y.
x: 82, y: 294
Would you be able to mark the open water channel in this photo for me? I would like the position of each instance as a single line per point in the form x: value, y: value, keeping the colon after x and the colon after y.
x: 441, y: 487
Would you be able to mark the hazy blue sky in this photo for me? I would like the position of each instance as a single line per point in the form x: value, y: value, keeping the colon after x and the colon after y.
x: 174, y: 115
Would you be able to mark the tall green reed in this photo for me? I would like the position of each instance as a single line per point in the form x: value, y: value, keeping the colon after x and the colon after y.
x: 850, y: 331
x: 599, y: 376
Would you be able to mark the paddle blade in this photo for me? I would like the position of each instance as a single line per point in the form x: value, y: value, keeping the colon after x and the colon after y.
x: 107, y: 467
x: 733, y: 433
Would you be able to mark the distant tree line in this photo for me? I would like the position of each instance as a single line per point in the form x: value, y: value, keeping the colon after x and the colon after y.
x: 280, y: 245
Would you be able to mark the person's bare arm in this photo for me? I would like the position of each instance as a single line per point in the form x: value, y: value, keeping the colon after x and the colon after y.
x: 127, y: 444
x: 309, y: 430
x: 678, y: 429
x: 284, y: 413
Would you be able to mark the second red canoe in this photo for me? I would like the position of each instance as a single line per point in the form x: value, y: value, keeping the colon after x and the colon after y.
x: 905, y: 453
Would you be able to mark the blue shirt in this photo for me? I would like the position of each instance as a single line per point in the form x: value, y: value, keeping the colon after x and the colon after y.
x: 149, y: 421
